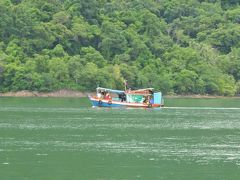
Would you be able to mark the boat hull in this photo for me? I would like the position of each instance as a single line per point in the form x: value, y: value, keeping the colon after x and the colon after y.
x: 97, y: 102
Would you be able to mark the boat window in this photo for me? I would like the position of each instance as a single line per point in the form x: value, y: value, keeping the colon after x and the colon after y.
x: 135, y: 98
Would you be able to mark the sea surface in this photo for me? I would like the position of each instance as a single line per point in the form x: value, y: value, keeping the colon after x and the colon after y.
x: 67, y: 139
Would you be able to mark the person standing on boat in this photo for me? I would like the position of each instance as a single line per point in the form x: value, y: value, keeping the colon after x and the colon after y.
x: 122, y: 97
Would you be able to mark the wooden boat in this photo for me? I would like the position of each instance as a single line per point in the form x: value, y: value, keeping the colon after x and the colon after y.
x: 143, y: 98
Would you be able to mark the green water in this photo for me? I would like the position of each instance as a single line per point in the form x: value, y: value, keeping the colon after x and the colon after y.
x: 66, y: 139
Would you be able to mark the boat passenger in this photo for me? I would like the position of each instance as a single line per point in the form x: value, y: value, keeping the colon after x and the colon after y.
x: 151, y: 100
x: 103, y: 94
x: 108, y: 97
x: 146, y: 99
x: 99, y: 95
x: 122, y: 97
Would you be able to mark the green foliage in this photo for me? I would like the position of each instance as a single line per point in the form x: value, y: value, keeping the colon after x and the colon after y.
x: 176, y: 46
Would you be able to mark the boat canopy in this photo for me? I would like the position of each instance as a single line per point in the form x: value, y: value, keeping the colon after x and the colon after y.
x: 147, y: 91
x: 110, y: 90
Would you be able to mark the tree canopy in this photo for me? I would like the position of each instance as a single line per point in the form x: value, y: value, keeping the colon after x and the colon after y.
x: 176, y: 46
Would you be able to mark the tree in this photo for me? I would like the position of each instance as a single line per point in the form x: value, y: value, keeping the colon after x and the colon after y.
x: 184, y: 47
x: 185, y: 82
x: 88, y: 76
x: 89, y: 54
x: 113, y: 40
x: 225, y: 38
x: 58, y: 69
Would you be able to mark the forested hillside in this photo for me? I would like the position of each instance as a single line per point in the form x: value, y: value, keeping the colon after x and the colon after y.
x: 177, y: 46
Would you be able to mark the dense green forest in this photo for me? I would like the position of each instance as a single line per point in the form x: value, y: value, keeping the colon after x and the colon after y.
x: 176, y: 46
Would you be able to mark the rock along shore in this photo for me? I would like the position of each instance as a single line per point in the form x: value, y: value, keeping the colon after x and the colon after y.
x: 59, y: 93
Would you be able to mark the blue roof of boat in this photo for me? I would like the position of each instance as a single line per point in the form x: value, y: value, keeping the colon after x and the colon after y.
x: 110, y: 90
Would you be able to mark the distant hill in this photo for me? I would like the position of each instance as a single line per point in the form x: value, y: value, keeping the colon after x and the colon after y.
x: 176, y: 46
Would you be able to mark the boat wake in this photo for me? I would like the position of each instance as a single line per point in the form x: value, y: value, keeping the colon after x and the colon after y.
x: 204, y: 108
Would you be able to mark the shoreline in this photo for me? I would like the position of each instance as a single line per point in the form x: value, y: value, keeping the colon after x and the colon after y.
x: 71, y: 93
x: 59, y: 93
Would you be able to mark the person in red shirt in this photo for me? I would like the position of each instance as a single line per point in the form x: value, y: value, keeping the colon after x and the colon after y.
x: 108, y: 97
